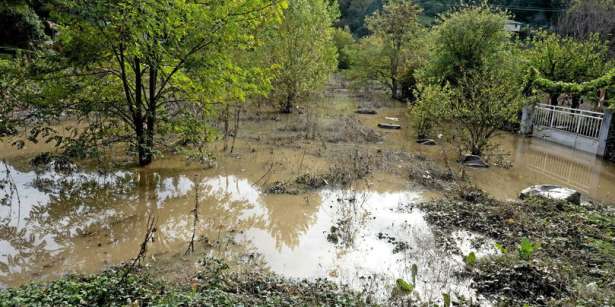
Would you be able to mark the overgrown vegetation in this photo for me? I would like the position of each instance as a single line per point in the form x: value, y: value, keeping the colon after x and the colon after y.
x: 169, y: 76
x: 213, y: 285
x: 541, y: 242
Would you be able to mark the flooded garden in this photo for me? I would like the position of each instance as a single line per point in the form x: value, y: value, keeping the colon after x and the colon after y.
x: 307, y: 153
x: 366, y: 216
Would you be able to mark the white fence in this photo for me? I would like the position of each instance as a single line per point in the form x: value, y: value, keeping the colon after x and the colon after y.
x: 580, y: 122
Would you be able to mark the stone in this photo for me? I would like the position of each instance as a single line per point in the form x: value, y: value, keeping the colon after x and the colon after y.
x: 428, y: 142
x: 553, y: 192
x: 474, y: 161
x: 367, y: 111
x: 389, y: 126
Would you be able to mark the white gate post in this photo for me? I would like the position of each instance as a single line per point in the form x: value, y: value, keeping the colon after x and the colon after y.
x: 527, y: 120
x: 604, y: 132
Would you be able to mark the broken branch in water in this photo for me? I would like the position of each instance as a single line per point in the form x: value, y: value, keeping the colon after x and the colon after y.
x: 195, y: 212
x: 149, y: 235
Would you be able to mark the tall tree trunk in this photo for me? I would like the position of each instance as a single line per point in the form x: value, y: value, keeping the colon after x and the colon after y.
x: 151, y: 115
x: 144, y: 151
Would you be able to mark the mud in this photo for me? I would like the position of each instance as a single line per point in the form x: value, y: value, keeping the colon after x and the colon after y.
x: 321, y: 195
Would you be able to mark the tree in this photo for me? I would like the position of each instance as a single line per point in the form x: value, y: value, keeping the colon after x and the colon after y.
x: 386, y: 56
x: 20, y: 26
x: 586, y: 17
x: 139, y: 63
x: 467, y: 40
x: 567, y: 59
x: 353, y: 13
x: 302, y: 48
x: 343, y: 41
x: 477, y: 70
x: 482, y: 103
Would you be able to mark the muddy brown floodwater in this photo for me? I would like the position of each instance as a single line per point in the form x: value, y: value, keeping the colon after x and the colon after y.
x: 363, y: 235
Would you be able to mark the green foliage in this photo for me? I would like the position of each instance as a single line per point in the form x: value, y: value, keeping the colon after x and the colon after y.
x: 501, y: 248
x: 540, y: 82
x: 13, y: 86
x: 404, y: 285
x: 479, y: 105
x: 482, y: 104
x: 139, y: 63
x: 447, y: 299
x: 212, y: 286
x: 353, y: 13
x: 473, y: 78
x: 565, y: 60
x: 391, y: 54
x: 20, y: 26
x: 302, y: 49
x: 465, y: 41
x: 424, y: 113
x: 526, y: 248
x: 343, y: 41
x: 470, y: 259
x: 108, y: 288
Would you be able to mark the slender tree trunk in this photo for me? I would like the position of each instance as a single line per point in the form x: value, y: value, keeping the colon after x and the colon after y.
x: 151, y: 115
x: 394, y: 88
x: 226, y: 126
x: 553, y: 99
x: 576, y: 101
x: 236, y: 128
x: 144, y: 151
x: 288, y: 105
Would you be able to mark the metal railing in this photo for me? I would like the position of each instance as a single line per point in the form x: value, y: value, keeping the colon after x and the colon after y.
x: 580, y: 122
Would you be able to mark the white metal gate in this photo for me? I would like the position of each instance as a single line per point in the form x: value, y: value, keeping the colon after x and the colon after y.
x: 577, y: 121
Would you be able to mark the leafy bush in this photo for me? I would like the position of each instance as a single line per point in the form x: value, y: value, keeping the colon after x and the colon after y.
x: 424, y: 113
x: 110, y: 288
x: 215, y: 285
x: 526, y: 249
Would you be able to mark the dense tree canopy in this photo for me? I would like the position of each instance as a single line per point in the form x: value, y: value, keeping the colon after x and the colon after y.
x: 567, y: 59
x: 386, y: 56
x: 467, y: 40
x: 585, y: 18
x: 542, y: 13
x: 302, y: 49
x: 473, y: 78
x: 20, y: 24
x: 137, y: 63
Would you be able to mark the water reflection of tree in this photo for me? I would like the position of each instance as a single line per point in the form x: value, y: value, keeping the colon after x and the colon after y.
x: 80, y: 211
x: 290, y: 216
x: 75, y: 207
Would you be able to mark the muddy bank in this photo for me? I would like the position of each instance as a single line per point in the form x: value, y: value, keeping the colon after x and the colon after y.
x: 553, y: 253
